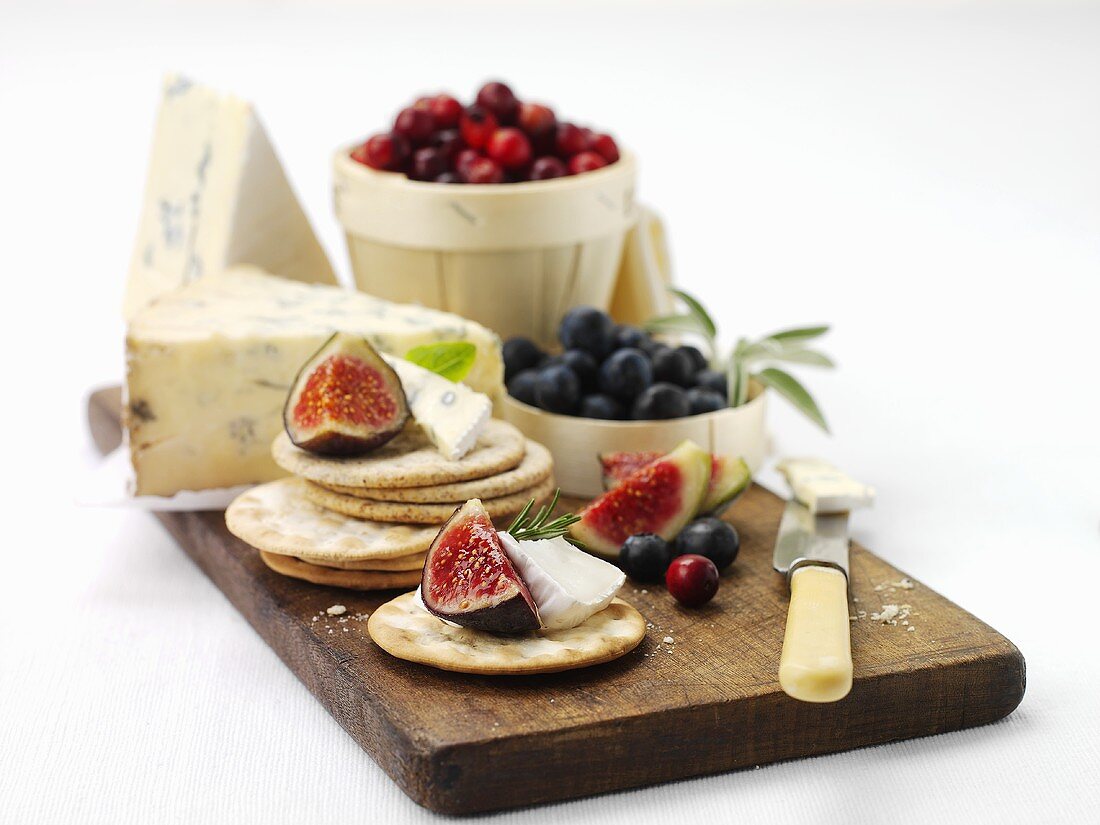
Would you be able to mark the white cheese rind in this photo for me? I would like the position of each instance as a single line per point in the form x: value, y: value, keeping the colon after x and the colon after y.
x: 216, y: 195
x: 209, y: 367
x: 567, y: 584
x: 823, y: 488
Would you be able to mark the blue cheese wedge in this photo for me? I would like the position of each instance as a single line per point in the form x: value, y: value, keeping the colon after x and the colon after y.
x: 216, y: 195
x: 823, y: 488
x: 209, y: 367
x: 567, y: 584
x: 451, y: 415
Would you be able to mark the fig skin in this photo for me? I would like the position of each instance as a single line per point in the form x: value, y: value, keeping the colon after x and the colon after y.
x: 331, y: 437
x: 513, y: 615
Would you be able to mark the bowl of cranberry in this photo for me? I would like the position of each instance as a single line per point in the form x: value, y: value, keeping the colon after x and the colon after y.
x: 613, y: 388
x: 496, y: 210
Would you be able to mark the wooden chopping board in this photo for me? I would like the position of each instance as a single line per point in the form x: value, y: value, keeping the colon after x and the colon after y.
x: 708, y: 702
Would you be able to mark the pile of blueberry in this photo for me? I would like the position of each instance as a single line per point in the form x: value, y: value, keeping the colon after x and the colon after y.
x: 611, y: 371
x: 690, y: 565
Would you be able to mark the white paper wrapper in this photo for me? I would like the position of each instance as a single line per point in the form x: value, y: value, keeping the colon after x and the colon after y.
x: 111, y: 484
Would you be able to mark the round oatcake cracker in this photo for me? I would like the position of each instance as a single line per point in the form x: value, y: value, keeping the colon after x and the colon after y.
x: 414, y: 561
x: 406, y: 630
x: 405, y: 513
x: 536, y: 466
x: 330, y: 577
x: 409, y: 460
x: 278, y: 518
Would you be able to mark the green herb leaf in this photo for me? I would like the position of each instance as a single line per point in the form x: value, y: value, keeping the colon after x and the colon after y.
x: 451, y: 359
x: 526, y: 527
x: 698, y: 311
x: 676, y: 323
x: 809, y: 357
x: 799, y: 333
x: 786, y: 385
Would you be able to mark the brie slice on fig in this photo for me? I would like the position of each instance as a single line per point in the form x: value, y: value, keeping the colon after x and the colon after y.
x: 567, y: 584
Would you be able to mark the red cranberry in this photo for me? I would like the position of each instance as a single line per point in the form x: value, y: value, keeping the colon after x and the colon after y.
x: 448, y: 177
x: 415, y: 124
x: 423, y: 104
x: 484, y: 170
x: 446, y: 111
x: 570, y: 140
x: 447, y: 141
x: 498, y: 99
x: 692, y: 580
x: 605, y: 146
x: 585, y: 162
x: 463, y: 159
x: 387, y: 151
x: 428, y: 164
x: 535, y: 119
x: 510, y: 148
x: 546, y: 168
x: 477, y: 124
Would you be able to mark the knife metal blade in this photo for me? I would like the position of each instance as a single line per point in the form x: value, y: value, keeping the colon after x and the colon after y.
x: 805, y: 538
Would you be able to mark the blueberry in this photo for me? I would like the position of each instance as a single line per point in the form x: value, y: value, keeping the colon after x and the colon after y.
x: 522, y: 387
x: 698, y: 360
x: 625, y: 335
x: 586, y: 328
x: 712, y: 380
x: 674, y: 366
x: 625, y: 374
x: 519, y: 354
x: 651, y: 347
x: 713, y: 538
x: 584, y: 365
x: 661, y: 401
x: 549, y: 361
x: 602, y: 406
x: 645, y: 557
x: 705, y: 401
x: 557, y: 389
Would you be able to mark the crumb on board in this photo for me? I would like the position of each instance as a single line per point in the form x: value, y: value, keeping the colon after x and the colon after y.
x: 337, y: 610
x: 668, y: 640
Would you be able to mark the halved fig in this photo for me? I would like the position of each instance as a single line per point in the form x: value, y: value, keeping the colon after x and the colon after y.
x: 729, y: 477
x: 469, y: 580
x: 660, y: 498
x: 346, y: 400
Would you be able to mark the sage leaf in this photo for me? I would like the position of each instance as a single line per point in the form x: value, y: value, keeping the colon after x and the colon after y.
x: 799, y: 333
x: 451, y: 359
x: 698, y: 311
x: 788, y: 386
x: 809, y: 357
x: 676, y: 323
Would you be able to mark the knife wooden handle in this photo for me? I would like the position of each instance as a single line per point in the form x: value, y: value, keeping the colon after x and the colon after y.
x: 816, y: 665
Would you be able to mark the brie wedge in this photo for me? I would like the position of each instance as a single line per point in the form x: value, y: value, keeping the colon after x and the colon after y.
x: 567, y: 584
x: 823, y: 488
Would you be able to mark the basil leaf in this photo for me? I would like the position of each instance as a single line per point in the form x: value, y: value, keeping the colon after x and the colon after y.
x: 698, y: 311
x: 799, y: 333
x: 786, y: 385
x: 451, y: 359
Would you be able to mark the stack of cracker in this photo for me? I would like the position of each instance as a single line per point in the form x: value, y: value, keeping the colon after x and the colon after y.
x: 366, y: 522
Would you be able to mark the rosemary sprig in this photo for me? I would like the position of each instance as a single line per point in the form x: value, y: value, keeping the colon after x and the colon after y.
x: 526, y: 527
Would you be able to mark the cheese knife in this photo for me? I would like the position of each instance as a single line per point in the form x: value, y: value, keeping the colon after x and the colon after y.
x: 812, y: 551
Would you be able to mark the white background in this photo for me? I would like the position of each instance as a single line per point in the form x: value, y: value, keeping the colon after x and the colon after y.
x: 924, y: 176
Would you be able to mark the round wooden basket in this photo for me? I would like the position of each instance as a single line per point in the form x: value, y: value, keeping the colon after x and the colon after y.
x: 576, y: 443
x: 513, y: 257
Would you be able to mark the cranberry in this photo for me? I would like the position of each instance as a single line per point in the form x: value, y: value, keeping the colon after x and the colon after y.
x: 692, y: 580
x: 535, y: 119
x: 464, y: 158
x: 387, y: 151
x: 447, y: 141
x: 448, y: 177
x: 510, y: 148
x: 585, y: 162
x: 484, y: 170
x: 428, y: 164
x: 423, y: 104
x: 569, y: 140
x: 605, y: 146
x: 446, y: 111
x: 415, y: 124
x: 498, y: 99
x: 546, y: 168
x: 477, y: 125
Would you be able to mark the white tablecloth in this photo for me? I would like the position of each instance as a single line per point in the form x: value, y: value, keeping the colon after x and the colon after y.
x: 925, y: 179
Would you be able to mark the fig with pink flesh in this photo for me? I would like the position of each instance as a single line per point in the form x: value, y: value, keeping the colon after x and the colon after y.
x: 346, y: 400
x: 729, y: 477
x: 469, y: 579
x: 660, y: 497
